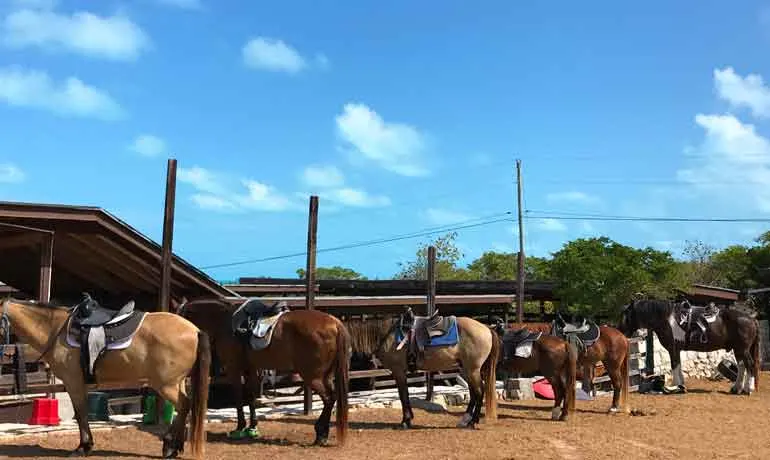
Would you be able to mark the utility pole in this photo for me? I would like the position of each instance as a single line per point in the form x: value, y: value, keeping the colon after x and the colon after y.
x: 520, y: 275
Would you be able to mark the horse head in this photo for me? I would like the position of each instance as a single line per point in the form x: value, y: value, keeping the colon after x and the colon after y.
x: 498, y: 325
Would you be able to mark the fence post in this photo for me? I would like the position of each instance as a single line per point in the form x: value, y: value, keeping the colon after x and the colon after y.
x: 430, y: 308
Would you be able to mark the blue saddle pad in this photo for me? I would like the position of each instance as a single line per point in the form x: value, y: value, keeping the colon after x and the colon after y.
x: 450, y: 338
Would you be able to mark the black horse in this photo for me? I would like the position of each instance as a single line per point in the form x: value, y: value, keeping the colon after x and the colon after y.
x: 681, y: 326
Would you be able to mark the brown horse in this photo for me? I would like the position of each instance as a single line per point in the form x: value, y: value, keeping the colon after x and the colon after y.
x: 312, y: 343
x: 554, y: 358
x: 164, y: 351
x: 612, y: 349
x: 476, y: 351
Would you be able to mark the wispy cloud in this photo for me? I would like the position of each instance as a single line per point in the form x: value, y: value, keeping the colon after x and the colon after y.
x: 148, y: 145
x: 11, y: 174
x: 183, y: 4
x: 396, y: 147
x: 551, y: 225
x: 21, y: 87
x: 322, y: 176
x: 114, y: 37
x: 328, y: 183
x: 275, y: 55
x: 749, y: 91
x: 215, y: 191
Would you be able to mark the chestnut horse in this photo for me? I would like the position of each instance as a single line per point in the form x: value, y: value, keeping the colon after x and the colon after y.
x: 164, y: 351
x: 555, y: 359
x: 612, y: 349
x: 476, y: 351
x: 312, y: 343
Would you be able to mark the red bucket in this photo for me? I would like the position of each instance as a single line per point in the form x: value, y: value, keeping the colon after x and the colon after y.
x: 45, y: 412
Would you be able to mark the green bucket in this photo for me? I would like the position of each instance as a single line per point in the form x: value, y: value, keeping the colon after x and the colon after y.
x: 97, y: 406
x: 150, y: 414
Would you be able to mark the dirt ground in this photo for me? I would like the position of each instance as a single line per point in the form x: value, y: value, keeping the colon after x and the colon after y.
x: 706, y: 423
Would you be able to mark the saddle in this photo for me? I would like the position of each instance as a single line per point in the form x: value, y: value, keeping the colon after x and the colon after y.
x: 581, y: 335
x: 95, y: 329
x: 419, y: 332
x: 518, y: 343
x: 254, y: 322
x: 695, y: 320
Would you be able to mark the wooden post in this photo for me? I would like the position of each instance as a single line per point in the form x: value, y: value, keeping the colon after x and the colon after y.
x: 168, y: 236
x: 44, y: 287
x: 649, y: 356
x: 430, y: 308
x: 312, y: 240
x: 520, y: 275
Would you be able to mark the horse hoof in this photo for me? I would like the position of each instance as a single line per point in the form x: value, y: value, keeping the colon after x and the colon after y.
x: 405, y: 425
x: 556, y: 413
x: 81, y: 451
x: 465, y: 421
x: 170, y: 453
x: 321, y: 442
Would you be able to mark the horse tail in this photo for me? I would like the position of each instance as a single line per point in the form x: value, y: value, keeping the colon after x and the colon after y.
x: 489, y: 369
x: 200, y: 395
x: 572, y: 356
x: 624, y: 378
x: 342, y: 377
x: 755, y: 356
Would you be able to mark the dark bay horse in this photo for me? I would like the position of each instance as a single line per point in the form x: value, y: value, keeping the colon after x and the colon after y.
x: 476, y: 352
x: 731, y: 329
x: 164, y: 351
x: 554, y: 358
x: 312, y: 343
x: 612, y: 349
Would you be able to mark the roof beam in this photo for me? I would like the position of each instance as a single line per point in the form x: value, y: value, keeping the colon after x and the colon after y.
x: 21, y: 239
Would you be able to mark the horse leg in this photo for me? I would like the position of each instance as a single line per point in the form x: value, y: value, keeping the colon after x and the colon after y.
x: 237, y: 387
x: 676, y: 369
x: 403, y: 395
x: 77, y: 394
x: 737, y: 386
x: 252, y: 381
x: 587, y: 383
x: 473, y: 412
x: 559, y: 397
x: 324, y: 389
x: 173, y: 440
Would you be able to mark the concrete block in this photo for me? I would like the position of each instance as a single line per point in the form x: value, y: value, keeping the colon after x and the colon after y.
x: 519, y: 389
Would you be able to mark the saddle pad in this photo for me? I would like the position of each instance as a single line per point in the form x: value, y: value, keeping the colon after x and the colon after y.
x: 518, y: 343
x: 116, y: 337
x: 523, y: 350
x: 448, y: 339
x: 263, y: 332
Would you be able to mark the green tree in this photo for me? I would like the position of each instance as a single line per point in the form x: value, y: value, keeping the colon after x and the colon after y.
x: 333, y: 273
x: 447, y: 257
x: 598, y: 275
x: 493, y: 265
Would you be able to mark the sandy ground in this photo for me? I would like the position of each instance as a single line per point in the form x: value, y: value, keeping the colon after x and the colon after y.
x: 706, y: 423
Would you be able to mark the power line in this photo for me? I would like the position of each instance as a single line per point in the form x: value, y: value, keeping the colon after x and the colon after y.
x: 555, y: 216
x: 420, y: 233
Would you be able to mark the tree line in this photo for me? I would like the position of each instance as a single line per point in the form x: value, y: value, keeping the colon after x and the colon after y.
x: 595, y: 276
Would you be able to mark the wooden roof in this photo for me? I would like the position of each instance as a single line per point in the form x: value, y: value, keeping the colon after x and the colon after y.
x: 94, y: 252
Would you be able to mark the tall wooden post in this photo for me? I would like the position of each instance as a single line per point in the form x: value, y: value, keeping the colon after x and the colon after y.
x: 430, y: 308
x: 312, y: 239
x: 520, y: 275
x: 44, y: 287
x: 168, y: 236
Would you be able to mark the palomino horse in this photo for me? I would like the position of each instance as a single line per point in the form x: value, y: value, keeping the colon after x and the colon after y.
x: 475, y: 350
x: 164, y: 350
x: 550, y: 355
x: 722, y: 328
x: 611, y: 348
x: 312, y: 343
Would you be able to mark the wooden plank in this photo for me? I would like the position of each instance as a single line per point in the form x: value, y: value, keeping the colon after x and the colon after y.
x: 325, y: 302
x: 21, y: 239
x: 130, y: 266
x: 168, y: 237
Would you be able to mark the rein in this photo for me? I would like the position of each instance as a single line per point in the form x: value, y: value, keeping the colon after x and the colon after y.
x: 5, y: 324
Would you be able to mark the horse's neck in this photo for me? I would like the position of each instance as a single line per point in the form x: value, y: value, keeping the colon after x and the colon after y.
x: 33, y: 325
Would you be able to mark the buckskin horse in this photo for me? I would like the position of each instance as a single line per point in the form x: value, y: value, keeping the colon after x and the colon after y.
x: 680, y: 326
x: 160, y: 348
x: 528, y: 351
x: 611, y: 347
x: 407, y: 342
x: 310, y: 342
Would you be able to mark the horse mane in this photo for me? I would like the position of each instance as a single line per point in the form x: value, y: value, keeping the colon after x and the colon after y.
x: 34, y: 303
x: 366, y: 334
x: 653, y: 307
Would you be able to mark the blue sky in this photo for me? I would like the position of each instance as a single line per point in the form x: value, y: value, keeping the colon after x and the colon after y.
x: 401, y: 115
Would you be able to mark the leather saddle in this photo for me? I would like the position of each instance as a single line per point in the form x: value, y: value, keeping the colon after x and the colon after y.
x: 96, y: 329
x: 581, y: 334
x: 246, y: 319
x: 519, y: 339
x: 419, y: 332
x: 695, y: 319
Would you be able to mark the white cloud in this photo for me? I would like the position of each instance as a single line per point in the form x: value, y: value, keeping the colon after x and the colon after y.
x: 114, y: 37
x: 396, y: 147
x: 11, y: 174
x: 349, y: 196
x: 551, y: 225
x: 749, y: 91
x: 572, y: 197
x: 734, y: 163
x: 72, y: 97
x: 213, y: 192
x: 35, y: 4
x: 445, y: 217
x: 148, y: 145
x: 183, y: 4
x: 272, y: 54
x: 322, y: 176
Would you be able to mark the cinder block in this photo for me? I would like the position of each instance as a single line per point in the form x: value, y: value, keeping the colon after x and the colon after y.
x: 519, y: 389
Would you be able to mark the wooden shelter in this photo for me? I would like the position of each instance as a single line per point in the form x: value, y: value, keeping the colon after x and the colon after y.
x: 58, y: 252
